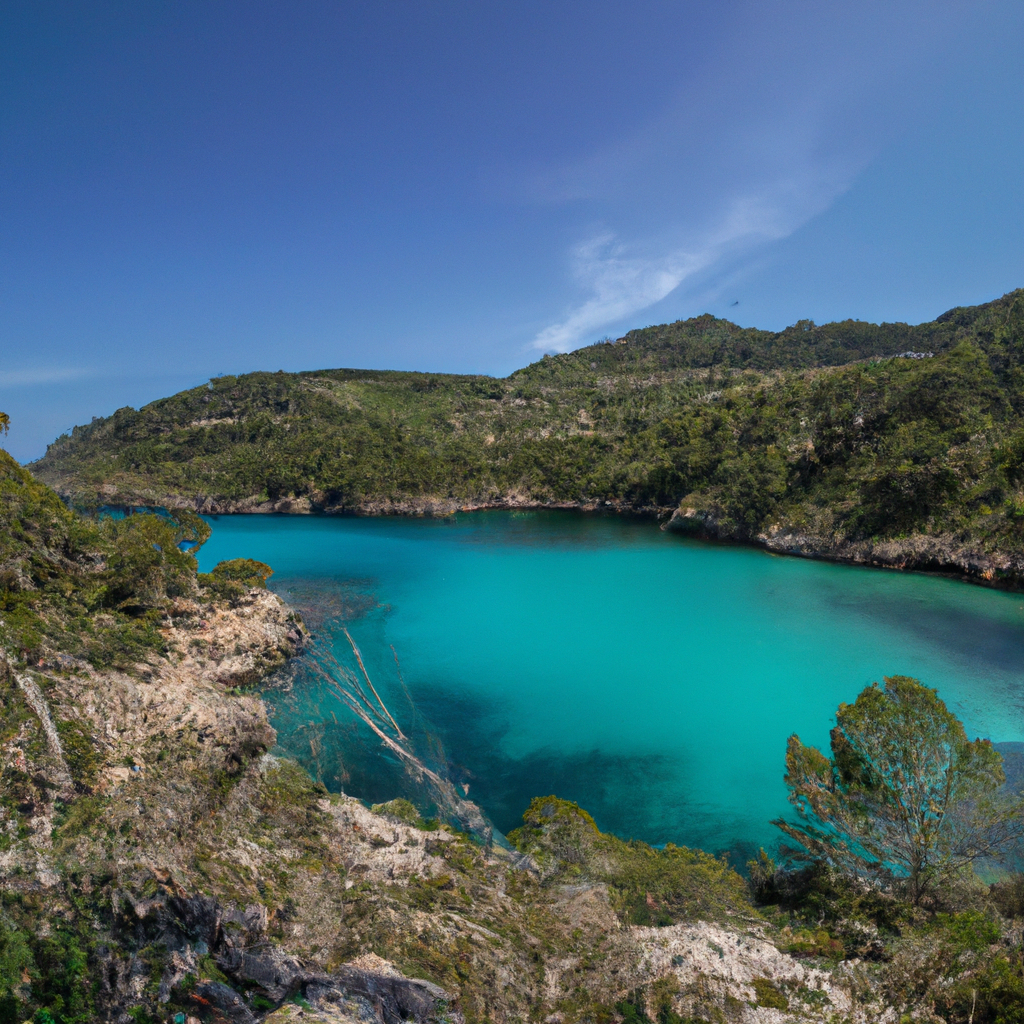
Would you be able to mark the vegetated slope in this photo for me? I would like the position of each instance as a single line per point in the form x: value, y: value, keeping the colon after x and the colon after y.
x: 153, y: 860
x: 832, y: 439
x: 89, y: 589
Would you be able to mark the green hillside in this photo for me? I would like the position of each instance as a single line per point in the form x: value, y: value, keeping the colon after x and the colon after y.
x: 836, y: 432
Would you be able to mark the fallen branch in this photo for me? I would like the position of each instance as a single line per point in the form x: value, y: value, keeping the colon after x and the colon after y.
x: 344, y: 685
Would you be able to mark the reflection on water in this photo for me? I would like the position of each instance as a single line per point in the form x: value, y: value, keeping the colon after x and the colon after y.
x: 652, y: 678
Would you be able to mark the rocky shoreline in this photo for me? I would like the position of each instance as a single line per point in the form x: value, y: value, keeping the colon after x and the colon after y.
x: 937, y: 554
x: 426, y: 505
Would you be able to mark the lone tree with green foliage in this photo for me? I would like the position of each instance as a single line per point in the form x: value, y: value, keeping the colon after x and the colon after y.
x: 905, y: 797
x: 5, y: 423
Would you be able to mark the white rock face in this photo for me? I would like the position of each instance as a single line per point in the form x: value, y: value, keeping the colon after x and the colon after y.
x: 711, y: 963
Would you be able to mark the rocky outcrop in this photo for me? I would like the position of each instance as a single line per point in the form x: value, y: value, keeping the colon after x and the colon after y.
x: 197, y: 929
x: 113, y: 735
x: 706, y: 963
x: 943, y: 554
x: 937, y: 553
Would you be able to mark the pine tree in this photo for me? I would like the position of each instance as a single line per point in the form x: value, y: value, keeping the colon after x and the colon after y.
x: 905, y: 797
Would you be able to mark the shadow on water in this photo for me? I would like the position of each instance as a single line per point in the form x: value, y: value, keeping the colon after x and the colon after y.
x: 624, y: 793
x: 549, y: 528
x: 620, y: 791
x: 326, y: 600
x: 948, y: 624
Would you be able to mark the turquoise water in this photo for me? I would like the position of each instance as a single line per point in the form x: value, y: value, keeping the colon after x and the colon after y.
x: 652, y: 678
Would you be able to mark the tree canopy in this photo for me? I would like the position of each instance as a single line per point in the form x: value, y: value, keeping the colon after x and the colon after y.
x: 905, y: 796
x: 88, y: 587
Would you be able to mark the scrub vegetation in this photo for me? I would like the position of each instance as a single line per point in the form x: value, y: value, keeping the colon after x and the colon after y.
x: 905, y: 797
x: 87, y: 587
x: 837, y: 435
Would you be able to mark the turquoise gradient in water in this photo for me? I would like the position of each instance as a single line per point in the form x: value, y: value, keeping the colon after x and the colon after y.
x: 652, y: 678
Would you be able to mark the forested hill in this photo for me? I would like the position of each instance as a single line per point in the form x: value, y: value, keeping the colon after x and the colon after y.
x: 816, y: 437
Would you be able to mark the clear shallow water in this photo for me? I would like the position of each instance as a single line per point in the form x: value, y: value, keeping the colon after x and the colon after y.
x: 652, y: 678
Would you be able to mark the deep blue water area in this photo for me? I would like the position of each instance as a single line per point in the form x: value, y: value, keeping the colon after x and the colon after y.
x: 652, y: 678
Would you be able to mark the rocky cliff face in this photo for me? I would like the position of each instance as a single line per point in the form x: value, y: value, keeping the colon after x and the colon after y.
x: 156, y: 859
x: 320, y: 504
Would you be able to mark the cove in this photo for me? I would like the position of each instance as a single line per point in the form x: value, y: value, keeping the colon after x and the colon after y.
x: 650, y: 677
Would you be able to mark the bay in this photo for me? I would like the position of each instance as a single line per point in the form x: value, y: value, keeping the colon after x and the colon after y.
x: 652, y: 678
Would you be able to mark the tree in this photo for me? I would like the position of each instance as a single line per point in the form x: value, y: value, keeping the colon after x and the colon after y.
x: 905, y: 796
x: 5, y: 423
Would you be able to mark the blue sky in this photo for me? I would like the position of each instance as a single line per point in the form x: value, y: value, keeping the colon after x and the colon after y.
x: 189, y: 189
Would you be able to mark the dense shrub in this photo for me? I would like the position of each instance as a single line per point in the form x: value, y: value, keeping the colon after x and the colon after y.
x: 94, y: 586
x: 231, y: 579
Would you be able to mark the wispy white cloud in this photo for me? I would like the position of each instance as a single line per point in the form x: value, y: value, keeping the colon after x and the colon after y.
x: 620, y: 284
x: 736, y: 160
x: 42, y: 375
x: 619, y: 277
x: 622, y: 279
